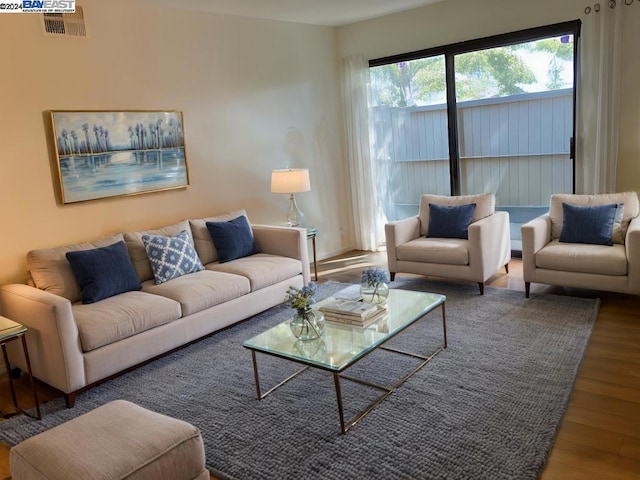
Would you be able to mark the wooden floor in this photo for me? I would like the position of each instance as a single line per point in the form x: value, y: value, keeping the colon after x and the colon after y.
x: 600, y: 435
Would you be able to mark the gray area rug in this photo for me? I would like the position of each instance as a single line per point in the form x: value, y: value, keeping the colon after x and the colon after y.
x: 487, y: 407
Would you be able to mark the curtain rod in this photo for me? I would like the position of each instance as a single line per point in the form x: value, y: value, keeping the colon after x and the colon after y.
x: 612, y: 4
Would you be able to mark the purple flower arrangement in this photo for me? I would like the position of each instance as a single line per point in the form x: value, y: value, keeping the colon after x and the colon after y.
x: 374, y: 276
x: 301, y: 298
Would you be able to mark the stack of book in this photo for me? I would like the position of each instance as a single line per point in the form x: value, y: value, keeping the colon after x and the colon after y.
x: 352, y: 312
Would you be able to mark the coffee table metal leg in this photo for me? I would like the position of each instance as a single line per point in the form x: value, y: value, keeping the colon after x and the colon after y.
x: 255, y: 374
x: 336, y: 381
x: 444, y: 325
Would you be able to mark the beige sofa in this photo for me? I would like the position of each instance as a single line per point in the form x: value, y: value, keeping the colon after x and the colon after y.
x: 612, y: 268
x: 73, y: 346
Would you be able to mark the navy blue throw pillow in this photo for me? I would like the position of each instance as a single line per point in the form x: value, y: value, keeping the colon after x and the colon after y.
x: 232, y: 239
x: 103, y: 272
x: 588, y: 223
x: 450, y: 221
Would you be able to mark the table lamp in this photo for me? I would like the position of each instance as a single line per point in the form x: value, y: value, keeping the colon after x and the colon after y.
x: 291, y: 181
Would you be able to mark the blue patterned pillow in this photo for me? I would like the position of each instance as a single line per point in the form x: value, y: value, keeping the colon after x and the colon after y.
x: 171, y: 257
x: 103, y: 272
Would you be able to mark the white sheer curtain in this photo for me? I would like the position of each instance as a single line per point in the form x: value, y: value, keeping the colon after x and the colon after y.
x: 367, y: 211
x: 599, y: 98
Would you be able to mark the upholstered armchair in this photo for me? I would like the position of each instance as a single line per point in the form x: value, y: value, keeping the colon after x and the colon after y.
x: 585, y: 241
x: 449, y: 238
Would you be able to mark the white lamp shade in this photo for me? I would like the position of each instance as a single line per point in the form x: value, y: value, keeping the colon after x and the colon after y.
x: 291, y: 180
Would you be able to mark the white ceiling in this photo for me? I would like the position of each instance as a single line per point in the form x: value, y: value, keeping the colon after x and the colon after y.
x: 316, y: 12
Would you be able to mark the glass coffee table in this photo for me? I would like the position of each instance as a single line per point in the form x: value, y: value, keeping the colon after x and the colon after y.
x: 345, y: 345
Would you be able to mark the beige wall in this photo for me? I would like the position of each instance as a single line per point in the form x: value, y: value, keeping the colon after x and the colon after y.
x: 458, y: 20
x: 245, y: 87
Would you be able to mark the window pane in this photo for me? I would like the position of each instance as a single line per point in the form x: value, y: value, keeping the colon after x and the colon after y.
x: 529, y: 67
x: 410, y: 133
x: 515, y: 122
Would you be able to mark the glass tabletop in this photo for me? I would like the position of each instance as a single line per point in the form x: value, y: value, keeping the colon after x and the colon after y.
x: 9, y: 328
x: 342, y: 345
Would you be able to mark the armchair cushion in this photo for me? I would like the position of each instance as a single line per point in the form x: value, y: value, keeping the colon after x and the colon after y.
x: 588, y: 224
x: 629, y: 199
x: 582, y: 258
x: 485, y: 206
x: 451, y: 251
x: 450, y: 221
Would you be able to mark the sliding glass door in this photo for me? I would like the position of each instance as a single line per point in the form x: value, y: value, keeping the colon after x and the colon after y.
x: 490, y: 115
x: 515, y: 124
x: 410, y: 132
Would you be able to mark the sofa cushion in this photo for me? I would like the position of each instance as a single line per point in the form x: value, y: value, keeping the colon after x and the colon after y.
x: 122, y: 316
x: 262, y: 269
x: 50, y: 269
x: 588, y: 223
x: 450, y: 221
x: 583, y: 258
x: 200, y: 290
x: 629, y: 199
x: 233, y: 239
x: 202, y: 239
x: 171, y: 257
x: 449, y: 251
x: 138, y: 253
x: 485, y: 206
x: 103, y: 272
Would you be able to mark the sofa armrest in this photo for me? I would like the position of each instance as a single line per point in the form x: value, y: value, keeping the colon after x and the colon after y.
x: 52, y: 336
x: 535, y: 235
x: 398, y: 233
x: 632, y: 246
x: 489, y: 244
x: 286, y: 242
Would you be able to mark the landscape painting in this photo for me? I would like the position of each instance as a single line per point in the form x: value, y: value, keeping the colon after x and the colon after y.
x: 103, y: 154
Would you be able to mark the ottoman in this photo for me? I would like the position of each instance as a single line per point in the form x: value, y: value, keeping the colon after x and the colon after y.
x: 119, y: 440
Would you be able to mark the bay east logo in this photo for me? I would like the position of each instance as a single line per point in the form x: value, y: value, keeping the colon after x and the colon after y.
x: 49, y: 6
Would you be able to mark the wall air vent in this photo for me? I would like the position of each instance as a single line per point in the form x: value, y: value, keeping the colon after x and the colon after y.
x: 65, y: 24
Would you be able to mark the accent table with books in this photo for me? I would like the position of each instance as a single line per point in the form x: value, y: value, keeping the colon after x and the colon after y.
x: 345, y: 345
x: 10, y: 331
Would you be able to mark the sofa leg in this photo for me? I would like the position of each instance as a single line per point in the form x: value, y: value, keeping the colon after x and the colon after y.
x: 506, y: 267
x: 481, y: 285
x: 392, y: 276
x: 527, y: 289
x: 70, y: 399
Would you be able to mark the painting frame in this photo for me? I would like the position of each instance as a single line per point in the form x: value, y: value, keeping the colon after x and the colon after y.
x: 101, y: 154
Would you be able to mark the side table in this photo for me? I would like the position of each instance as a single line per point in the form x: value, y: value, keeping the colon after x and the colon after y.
x: 10, y: 331
x: 312, y: 232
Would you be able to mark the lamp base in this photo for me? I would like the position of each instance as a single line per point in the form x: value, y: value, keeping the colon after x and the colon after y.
x: 295, y: 218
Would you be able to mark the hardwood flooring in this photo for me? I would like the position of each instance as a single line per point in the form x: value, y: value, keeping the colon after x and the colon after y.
x: 599, y: 437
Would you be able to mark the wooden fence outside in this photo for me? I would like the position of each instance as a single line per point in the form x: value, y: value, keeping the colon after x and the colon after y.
x: 516, y: 147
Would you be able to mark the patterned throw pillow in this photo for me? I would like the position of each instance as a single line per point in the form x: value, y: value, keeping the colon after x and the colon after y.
x: 171, y: 257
